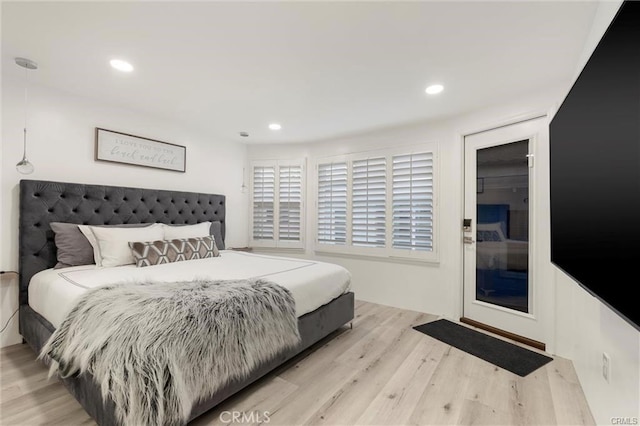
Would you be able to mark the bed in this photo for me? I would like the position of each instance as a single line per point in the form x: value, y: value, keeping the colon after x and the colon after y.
x: 324, y: 302
x: 495, y: 251
x: 502, y: 263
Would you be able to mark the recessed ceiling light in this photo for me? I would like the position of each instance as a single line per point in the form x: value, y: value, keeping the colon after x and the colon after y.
x: 275, y: 126
x: 434, y: 88
x: 121, y: 65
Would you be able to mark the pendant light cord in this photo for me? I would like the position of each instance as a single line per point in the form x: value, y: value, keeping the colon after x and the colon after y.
x: 6, y: 324
x: 24, y: 166
x: 26, y: 99
x: 9, y: 320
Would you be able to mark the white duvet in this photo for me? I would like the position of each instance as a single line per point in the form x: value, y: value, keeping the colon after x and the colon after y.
x: 52, y: 292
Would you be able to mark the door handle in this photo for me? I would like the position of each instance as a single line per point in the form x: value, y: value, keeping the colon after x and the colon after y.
x: 468, y: 240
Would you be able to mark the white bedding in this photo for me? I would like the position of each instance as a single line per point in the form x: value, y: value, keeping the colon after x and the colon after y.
x: 506, y: 255
x: 52, y: 292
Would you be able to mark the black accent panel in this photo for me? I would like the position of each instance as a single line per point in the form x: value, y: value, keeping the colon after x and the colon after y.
x: 42, y: 202
x: 594, y: 166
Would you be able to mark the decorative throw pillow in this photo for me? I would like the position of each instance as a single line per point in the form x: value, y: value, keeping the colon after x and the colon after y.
x: 491, y: 231
x: 488, y: 236
x: 112, y: 244
x: 168, y: 251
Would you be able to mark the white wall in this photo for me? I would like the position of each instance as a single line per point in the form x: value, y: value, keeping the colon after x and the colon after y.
x: 586, y: 328
x: 582, y: 328
x: 433, y: 288
x: 61, y: 146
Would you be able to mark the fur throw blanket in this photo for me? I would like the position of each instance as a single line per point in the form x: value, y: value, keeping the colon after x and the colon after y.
x: 156, y: 349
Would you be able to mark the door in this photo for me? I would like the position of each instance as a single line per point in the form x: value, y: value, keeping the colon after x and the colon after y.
x: 500, y: 283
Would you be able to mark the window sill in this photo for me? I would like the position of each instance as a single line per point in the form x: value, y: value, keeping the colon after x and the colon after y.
x: 246, y: 249
x: 292, y: 250
x: 389, y: 259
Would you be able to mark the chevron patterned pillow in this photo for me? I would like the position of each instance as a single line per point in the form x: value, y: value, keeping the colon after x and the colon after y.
x: 151, y: 253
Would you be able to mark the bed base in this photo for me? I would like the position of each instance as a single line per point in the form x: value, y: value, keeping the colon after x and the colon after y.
x: 313, y: 327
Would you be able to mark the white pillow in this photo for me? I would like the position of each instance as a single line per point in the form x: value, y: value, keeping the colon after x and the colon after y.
x: 111, y: 245
x: 174, y: 232
x: 86, y: 231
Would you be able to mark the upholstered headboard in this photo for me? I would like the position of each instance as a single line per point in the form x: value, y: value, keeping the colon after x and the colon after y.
x: 42, y: 202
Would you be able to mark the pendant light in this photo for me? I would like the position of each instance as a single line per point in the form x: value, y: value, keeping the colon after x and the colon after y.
x: 24, y: 166
x: 243, y: 188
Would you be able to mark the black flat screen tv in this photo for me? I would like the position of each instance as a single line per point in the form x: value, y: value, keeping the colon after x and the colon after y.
x: 595, y: 171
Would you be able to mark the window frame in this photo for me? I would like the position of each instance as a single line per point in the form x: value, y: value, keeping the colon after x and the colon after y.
x: 276, y: 242
x: 388, y: 251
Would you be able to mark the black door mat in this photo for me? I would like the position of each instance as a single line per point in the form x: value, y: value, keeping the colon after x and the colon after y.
x: 505, y: 355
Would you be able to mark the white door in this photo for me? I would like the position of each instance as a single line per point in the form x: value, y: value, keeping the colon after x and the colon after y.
x: 501, y: 286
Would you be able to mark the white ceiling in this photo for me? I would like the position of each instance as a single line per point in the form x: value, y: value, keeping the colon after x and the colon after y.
x: 320, y: 69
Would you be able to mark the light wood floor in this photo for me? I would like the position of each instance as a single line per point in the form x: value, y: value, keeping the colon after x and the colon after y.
x: 380, y: 372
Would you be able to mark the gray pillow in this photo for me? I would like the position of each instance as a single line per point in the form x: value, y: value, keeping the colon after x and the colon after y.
x: 73, y: 248
x: 216, y: 231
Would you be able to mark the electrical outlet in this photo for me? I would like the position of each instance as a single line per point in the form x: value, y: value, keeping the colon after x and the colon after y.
x: 606, y: 366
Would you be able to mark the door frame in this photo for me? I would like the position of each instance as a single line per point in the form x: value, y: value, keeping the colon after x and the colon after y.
x: 531, y: 318
x: 540, y: 195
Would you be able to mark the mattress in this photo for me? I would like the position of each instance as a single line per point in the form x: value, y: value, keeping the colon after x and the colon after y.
x: 52, y: 292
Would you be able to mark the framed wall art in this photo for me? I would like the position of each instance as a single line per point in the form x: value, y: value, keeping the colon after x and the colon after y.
x: 116, y: 147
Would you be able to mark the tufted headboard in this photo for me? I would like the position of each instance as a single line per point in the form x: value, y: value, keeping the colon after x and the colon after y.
x: 42, y: 202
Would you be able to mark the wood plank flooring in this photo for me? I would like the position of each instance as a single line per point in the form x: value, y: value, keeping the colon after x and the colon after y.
x: 380, y: 372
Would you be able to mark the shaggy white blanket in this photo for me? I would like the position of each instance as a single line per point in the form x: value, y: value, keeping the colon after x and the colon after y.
x: 157, y: 349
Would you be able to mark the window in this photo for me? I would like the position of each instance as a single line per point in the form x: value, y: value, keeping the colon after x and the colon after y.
x: 290, y: 195
x: 277, y: 204
x: 369, y: 204
x: 332, y: 203
x: 378, y: 204
x: 264, y: 178
x: 412, y: 204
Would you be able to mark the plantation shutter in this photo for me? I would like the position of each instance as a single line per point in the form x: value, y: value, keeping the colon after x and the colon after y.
x: 412, y: 204
x: 332, y: 203
x: 369, y: 202
x: 290, y: 203
x: 263, y: 202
